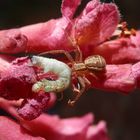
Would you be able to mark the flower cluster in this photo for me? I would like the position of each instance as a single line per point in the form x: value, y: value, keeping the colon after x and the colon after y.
x: 93, y: 30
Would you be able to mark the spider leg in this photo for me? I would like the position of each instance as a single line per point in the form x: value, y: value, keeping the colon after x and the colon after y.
x: 93, y: 75
x: 68, y: 56
x: 87, y: 81
x: 78, y: 53
x: 74, y: 42
x: 75, y: 89
x: 78, y: 92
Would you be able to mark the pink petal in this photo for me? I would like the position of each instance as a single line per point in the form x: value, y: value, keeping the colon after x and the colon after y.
x: 69, y: 7
x: 12, y: 41
x: 136, y: 39
x: 136, y: 73
x: 98, y: 132
x: 31, y: 108
x: 47, y: 36
x: 11, y: 130
x: 16, y: 81
x: 119, y: 51
x: 4, y: 64
x: 96, y: 23
x: 40, y: 38
x: 52, y: 127
x: 123, y: 78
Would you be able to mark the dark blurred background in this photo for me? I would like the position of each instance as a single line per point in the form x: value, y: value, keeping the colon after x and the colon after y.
x: 121, y: 112
x: 15, y: 13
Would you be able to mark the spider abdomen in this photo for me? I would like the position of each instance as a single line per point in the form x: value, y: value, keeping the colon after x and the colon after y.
x: 95, y: 62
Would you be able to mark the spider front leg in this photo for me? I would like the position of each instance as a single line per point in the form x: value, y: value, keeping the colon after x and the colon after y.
x: 74, y: 43
x: 67, y: 54
x: 78, y: 91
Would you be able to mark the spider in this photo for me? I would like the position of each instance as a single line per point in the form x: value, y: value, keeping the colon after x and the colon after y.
x: 80, y: 68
